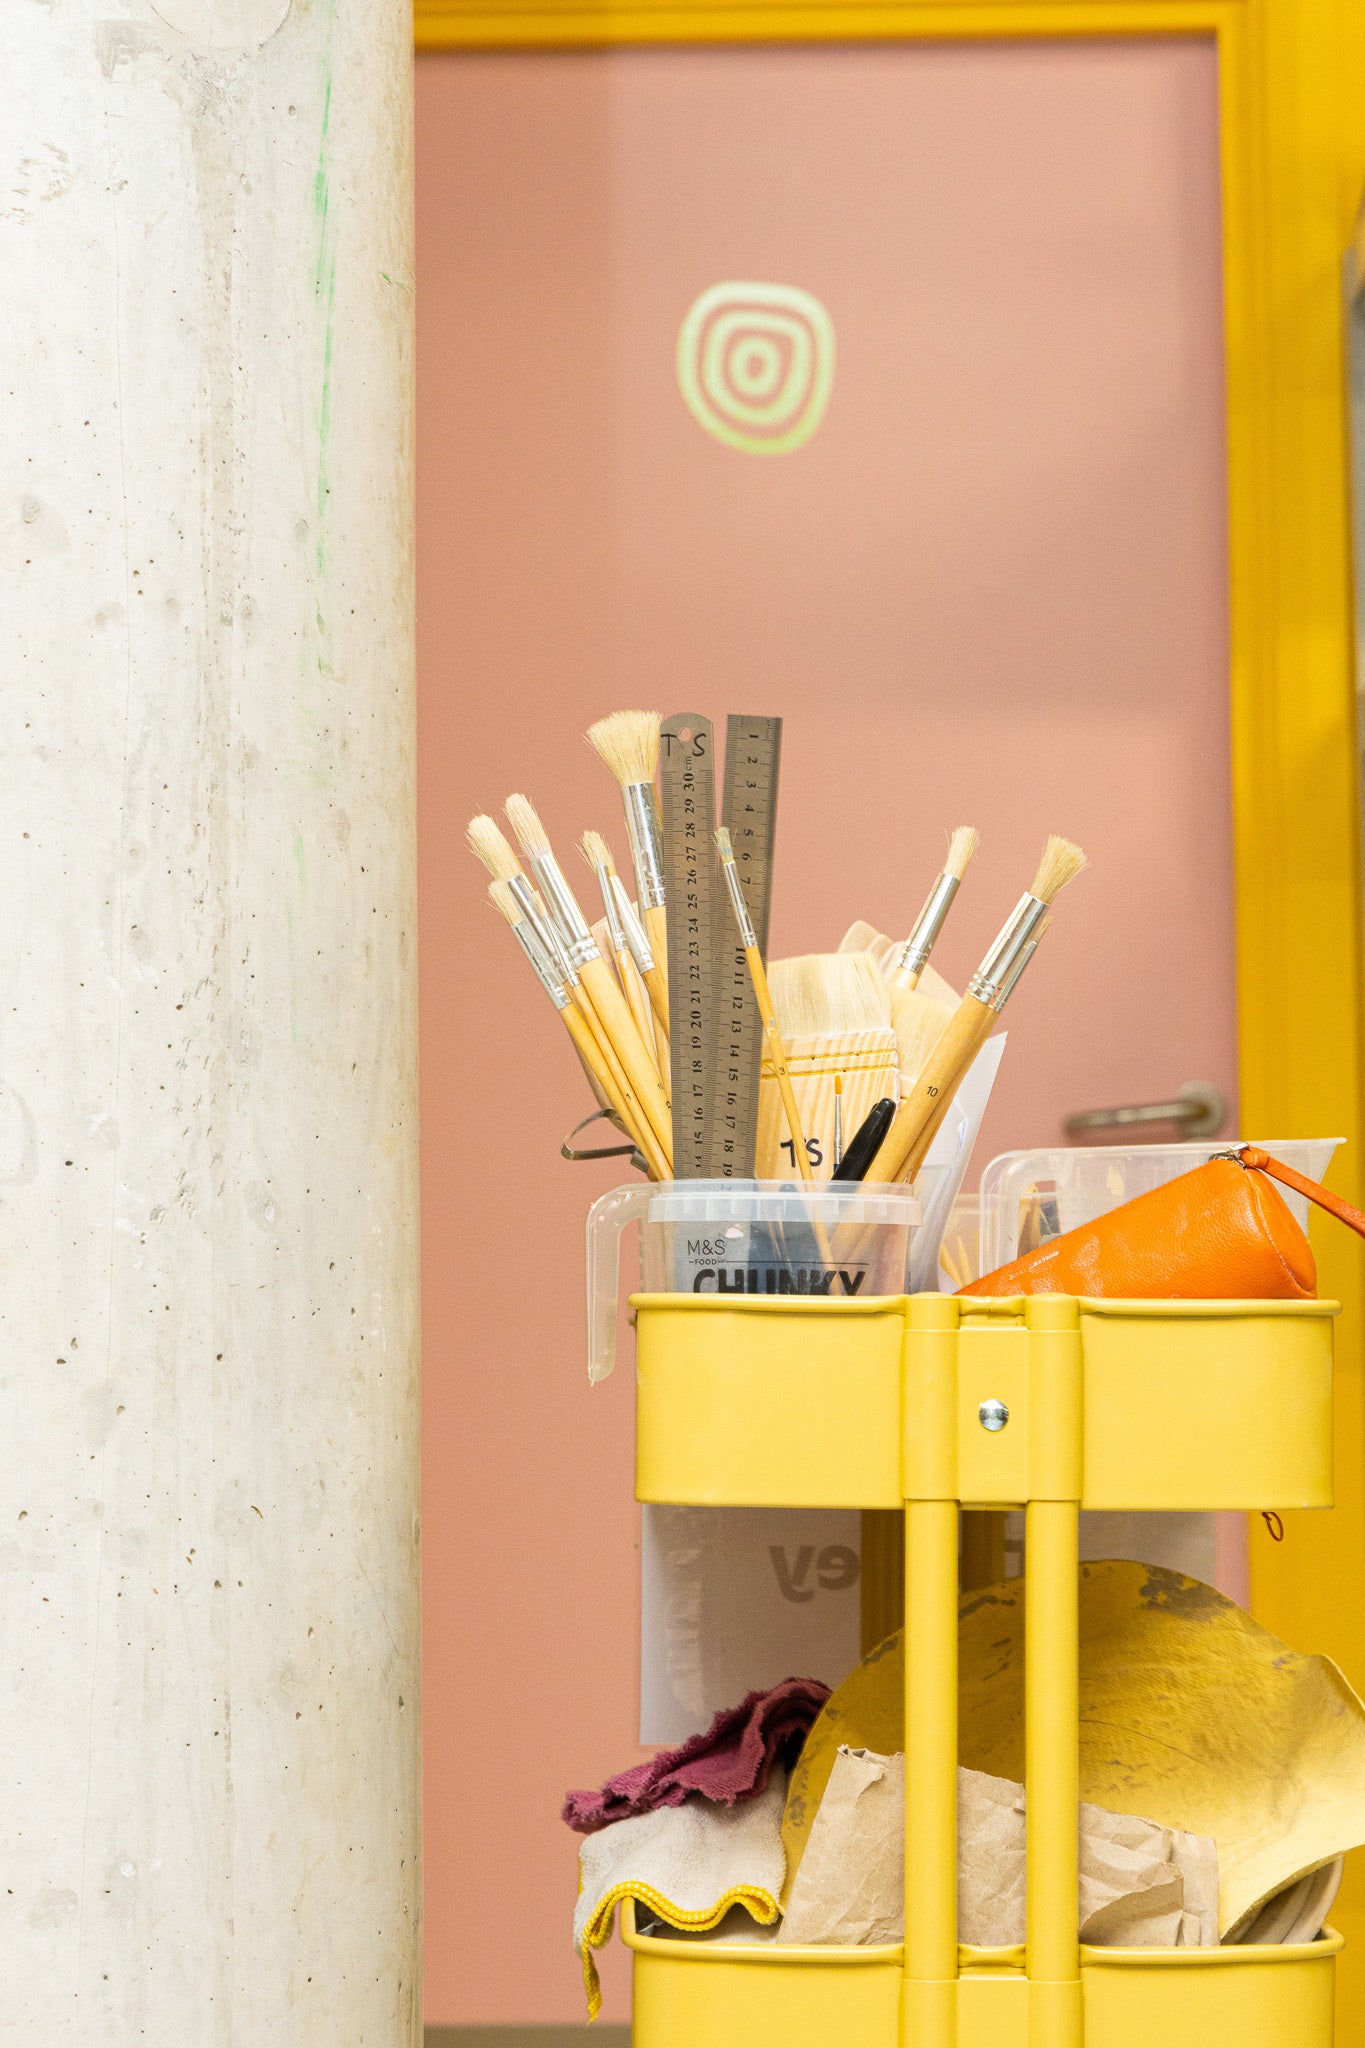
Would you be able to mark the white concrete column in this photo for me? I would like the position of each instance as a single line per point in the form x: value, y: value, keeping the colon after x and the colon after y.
x: 208, y: 1278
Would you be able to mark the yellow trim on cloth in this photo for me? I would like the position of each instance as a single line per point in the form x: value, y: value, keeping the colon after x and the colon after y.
x: 689, y: 1864
x: 761, y: 1904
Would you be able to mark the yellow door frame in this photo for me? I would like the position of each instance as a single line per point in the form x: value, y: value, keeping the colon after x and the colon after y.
x: 1292, y: 74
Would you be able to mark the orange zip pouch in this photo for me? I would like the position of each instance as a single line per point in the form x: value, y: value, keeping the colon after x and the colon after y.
x: 1222, y: 1232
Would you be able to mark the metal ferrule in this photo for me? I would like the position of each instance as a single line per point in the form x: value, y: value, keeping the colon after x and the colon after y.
x: 576, y: 941
x: 540, y: 958
x: 741, y: 908
x: 646, y: 843
x: 920, y: 944
x: 533, y: 910
x: 615, y: 929
x: 1020, y: 964
x: 1001, y: 962
x: 641, y: 952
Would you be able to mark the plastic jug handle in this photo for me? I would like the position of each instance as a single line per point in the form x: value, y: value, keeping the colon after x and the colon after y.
x: 609, y: 1215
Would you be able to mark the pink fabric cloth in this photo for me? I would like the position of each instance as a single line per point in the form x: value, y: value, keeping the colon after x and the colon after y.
x: 733, y: 1760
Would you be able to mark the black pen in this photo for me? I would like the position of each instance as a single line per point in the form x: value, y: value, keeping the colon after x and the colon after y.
x: 866, y: 1142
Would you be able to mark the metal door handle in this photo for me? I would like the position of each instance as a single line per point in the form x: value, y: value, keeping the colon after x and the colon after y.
x: 1199, y: 1110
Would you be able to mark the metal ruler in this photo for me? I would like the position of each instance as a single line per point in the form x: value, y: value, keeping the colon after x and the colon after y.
x: 693, y: 891
x: 753, y: 750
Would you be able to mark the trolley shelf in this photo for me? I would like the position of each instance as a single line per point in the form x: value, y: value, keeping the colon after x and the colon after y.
x: 696, y: 1994
x: 889, y: 1403
x: 778, y: 1401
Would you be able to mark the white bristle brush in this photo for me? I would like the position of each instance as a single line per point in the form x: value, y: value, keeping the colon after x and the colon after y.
x: 925, y: 1105
x: 583, y: 956
x: 910, y: 960
x: 603, y: 1070
x: 628, y: 742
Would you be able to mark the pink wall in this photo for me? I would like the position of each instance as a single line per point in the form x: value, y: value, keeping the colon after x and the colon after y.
x: 990, y: 588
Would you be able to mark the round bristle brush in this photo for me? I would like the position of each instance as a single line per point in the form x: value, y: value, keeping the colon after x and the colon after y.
x: 583, y: 956
x: 494, y: 849
x: 628, y: 742
x: 609, y: 1083
x: 910, y: 960
x: 924, y: 1106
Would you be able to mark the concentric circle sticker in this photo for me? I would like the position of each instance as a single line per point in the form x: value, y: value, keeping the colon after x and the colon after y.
x: 756, y: 364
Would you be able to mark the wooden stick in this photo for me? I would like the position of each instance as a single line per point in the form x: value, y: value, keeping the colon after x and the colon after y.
x: 637, y: 1001
x: 598, y: 980
x: 594, y: 1050
x: 656, y: 924
x: 923, y: 1109
x: 619, y: 1026
x: 622, y: 1099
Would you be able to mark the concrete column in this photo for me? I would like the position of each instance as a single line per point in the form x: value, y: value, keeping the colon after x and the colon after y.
x: 208, y: 1299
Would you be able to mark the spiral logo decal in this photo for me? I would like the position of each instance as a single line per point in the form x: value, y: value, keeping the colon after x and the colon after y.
x: 756, y: 364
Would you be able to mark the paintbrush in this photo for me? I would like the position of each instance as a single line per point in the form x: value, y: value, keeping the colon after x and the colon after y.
x: 614, y: 1087
x: 597, y: 854
x: 911, y: 959
x: 628, y: 741
x: 494, y: 849
x: 599, y: 983
x: 497, y: 855
x: 867, y: 1141
x: 924, y: 1106
x: 643, y: 955
x: 777, y: 1056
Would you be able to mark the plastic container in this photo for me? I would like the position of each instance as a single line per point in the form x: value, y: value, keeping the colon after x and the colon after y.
x: 1029, y: 1196
x: 823, y: 1240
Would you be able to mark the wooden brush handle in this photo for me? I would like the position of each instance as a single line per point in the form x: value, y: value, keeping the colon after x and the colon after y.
x: 637, y: 1000
x: 638, y: 1061
x: 777, y: 1060
x: 614, y: 1087
x: 923, y: 1109
x: 656, y: 926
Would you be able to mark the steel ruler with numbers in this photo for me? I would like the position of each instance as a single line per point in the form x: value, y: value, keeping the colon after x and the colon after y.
x: 753, y: 749
x: 693, y: 892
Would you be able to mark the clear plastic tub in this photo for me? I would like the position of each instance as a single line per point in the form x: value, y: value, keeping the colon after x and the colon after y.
x: 1029, y: 1196
x: 822, y: 1239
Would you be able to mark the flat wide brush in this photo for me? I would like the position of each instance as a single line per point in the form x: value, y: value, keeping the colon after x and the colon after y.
x: 628, y: 741
x: 912, y: 958
x: 602, y: 1069
x: 583, y: 956
x: 926, y: 1104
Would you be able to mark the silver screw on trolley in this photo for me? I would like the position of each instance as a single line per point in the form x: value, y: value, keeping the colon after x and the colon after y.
x: 992, y: 1415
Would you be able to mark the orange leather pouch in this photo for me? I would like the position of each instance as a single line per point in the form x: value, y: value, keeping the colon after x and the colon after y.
x: 1222, y: 1232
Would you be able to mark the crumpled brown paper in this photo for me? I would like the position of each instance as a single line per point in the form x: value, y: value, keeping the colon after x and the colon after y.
x: 1188, y: 1710
x: 1141, y: 1885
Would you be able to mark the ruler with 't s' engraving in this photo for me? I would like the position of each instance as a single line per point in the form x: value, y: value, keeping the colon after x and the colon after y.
x: 716, y: 1039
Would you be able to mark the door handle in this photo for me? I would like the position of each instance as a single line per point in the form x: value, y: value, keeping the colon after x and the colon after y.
x: 1198, y: 1111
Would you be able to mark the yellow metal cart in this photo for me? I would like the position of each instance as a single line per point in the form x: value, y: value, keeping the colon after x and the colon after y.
x: 931, y: 1403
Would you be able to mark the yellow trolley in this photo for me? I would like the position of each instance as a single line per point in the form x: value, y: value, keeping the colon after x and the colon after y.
x: 898, y: 1403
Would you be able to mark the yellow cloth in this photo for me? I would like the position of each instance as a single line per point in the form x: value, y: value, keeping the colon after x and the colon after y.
x: 1192, y: 1716
x: 689, y: 1864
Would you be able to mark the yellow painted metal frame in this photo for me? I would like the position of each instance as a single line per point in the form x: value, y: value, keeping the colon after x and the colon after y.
x: 1292, y: 89
x: 1177, y: 1403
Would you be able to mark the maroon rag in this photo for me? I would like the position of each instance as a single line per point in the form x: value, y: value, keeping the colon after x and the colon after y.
x: 733, y: 1760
